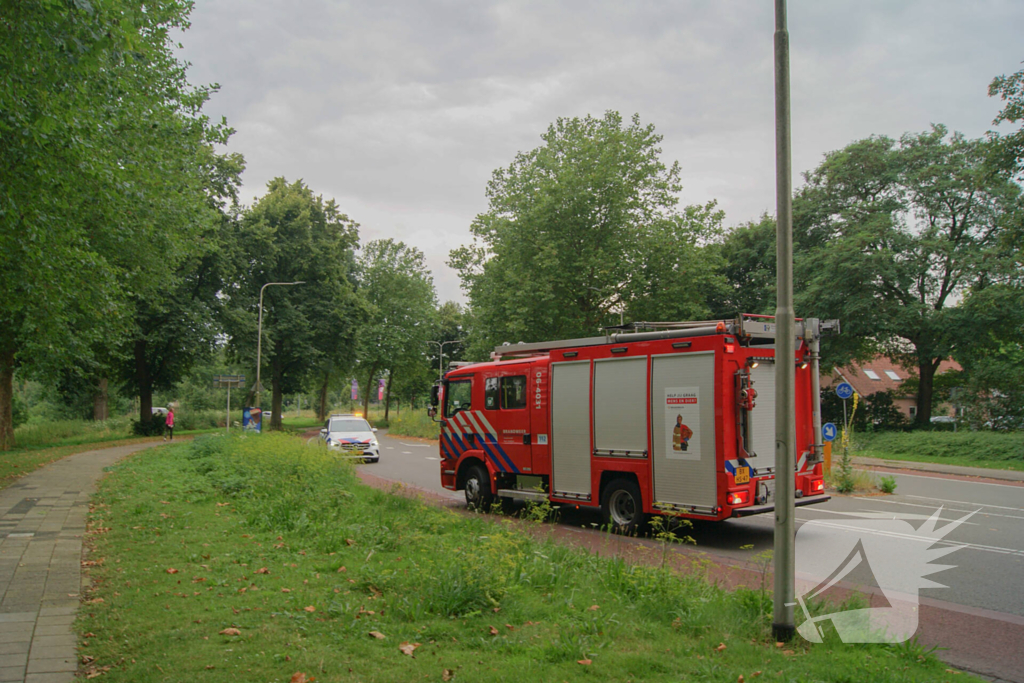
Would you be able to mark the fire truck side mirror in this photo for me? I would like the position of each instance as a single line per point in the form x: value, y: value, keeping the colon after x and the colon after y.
x: 433, y: 395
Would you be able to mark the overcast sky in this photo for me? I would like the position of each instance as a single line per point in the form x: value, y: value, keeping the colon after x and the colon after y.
x: 400, y: 111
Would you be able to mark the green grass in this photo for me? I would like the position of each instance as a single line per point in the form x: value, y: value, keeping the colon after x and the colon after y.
x: 413, y: 423
x: 281, y: 542
x: 70, y: 432
x: 994, y: 450
x: 16, y: 463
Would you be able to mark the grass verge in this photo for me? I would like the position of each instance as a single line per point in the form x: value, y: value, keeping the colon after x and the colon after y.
x: 259, y: 559
x: 992, y: 450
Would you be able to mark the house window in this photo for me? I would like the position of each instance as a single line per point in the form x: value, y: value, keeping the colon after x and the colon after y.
x: 913, y: 411
x: 893, y: 376
x: 872, y: 374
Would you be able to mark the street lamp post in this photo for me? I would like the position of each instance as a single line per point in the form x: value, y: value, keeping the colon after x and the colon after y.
x: 440, y: 354
x: 259, y: 334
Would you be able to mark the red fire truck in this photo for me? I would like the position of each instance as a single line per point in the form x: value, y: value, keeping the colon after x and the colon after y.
x: 673, y: 418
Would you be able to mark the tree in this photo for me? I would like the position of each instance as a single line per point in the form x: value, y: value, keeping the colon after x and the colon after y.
x: 892, y: 234
x: 99, y: 146
x: 396, y: 284
x: 289, y: 235
x: 747, y: 264
x: 577, y: 230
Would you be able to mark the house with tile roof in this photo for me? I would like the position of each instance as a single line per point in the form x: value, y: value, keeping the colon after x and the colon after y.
x: 882, y: 374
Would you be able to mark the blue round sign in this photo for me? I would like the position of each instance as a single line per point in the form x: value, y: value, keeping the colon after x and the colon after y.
x: 829, y: 431
x: 844, y: 390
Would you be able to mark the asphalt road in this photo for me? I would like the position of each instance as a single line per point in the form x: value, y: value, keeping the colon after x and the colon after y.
x: 984, y: 583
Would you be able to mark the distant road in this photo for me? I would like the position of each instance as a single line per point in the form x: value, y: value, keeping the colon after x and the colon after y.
x: 979, y: 616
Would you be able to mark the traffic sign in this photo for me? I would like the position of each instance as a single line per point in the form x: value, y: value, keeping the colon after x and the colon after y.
x: 829, y: 431
x: 844, y: 390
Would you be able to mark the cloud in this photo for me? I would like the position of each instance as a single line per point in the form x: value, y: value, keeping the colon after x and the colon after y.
x: 402, y: 110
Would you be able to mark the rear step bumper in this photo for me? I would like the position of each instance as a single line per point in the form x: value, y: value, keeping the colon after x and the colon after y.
x: 758, y: 509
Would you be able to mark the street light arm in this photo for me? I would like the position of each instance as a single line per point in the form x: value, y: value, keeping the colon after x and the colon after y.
x: 259, y: 333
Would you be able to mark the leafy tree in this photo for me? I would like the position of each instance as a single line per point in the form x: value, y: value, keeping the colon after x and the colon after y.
x: 747, y: 263
x: 290, y: 235
x: 577, y: 230
x: 396, y: 284
x: 893, y: 233
x: 100, y: 140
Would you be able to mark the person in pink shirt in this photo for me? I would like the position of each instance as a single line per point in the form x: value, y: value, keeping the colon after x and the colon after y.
x: 169, y: 423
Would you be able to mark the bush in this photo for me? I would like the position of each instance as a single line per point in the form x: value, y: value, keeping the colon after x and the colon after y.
x: 414, y: 423
x: 45, y: 432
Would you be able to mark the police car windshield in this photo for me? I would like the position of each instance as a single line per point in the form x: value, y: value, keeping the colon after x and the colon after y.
x: 349, y: 424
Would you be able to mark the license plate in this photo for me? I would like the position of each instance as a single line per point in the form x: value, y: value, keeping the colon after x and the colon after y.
x: 742, y: 475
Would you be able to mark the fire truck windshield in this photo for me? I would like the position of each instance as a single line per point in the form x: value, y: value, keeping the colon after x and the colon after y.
x: 458, y: 396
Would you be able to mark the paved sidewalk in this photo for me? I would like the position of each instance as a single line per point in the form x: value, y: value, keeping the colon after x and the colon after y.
x: 937, y: 468
x: 42, y: 522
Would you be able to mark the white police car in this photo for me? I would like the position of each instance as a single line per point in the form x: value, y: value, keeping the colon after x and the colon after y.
x: 352, y: 436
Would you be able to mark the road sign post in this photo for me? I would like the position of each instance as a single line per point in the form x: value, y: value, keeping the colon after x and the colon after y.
x: 227, y: 382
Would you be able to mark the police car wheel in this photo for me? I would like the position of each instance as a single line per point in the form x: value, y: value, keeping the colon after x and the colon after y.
x: 478, y: 489
x: 622, y: 507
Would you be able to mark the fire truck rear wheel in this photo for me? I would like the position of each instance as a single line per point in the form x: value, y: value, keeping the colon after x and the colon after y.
x: 478, y: 489
x: 622, y: 507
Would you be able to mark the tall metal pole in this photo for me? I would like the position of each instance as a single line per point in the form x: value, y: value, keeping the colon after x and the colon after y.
x: 783, y: 625
x: 259, y: 333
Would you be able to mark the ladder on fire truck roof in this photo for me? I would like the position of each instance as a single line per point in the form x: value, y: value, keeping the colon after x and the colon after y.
x: 746, y: 328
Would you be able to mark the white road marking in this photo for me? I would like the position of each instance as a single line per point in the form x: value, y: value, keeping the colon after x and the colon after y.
x: 930, y: 541
x: 946, y: 509
x: 964, y: 502
x: 415, y: 445
x: 406, y: 452
x: 430, y: 457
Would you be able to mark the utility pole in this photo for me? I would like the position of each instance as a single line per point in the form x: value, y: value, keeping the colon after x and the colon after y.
x: 784, y: 556
x: 259, y: 334
x: 440, y: 354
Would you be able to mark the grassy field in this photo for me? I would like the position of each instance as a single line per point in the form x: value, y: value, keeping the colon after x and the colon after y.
x: 260, y: 559
x: 16, y: 463
x: 994, y: 450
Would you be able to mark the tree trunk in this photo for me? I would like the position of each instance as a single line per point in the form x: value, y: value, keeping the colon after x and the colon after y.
x: 366, y: 392
x: 321, y: 406
x: 144, y: 383
x: 925, y: 390
x: 6, y: 399
x: 100, y: 406
x: 275, y: 381
x: 387, y: 396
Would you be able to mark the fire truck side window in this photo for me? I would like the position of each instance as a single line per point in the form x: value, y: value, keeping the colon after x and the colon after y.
x: 457, y: 397
x: 513, y: 392
x: 491, y: 393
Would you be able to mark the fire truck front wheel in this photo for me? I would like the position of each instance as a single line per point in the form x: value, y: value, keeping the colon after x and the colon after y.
x: 478, y: 489
x: 622, y: 507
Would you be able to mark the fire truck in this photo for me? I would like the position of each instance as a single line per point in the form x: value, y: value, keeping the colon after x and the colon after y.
x: 651, y: 418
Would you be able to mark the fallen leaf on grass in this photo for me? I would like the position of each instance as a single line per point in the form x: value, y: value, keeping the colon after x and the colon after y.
x: 299, y: 677
x: 741, y: 679
x: 209, y: 666
x: 510, y: 627
x: 342, y: 569
x: 88, y: 659
x: 496, y: 610
x: 165, y: 502
x: 447, y: 675
x: 721, y: 646
x: 309, y: 608
x: 378, y: 635
x: 584, y: 662
x: 95, y: 601
x: 493, y: 631
x: 262, y: 570
x: 231, y: 632
x: 593, y: 608
x: 90, y: 634
x: 172, y: 570
x: 756, y: 673
x: 365, y: 611
x: 408, y: 648
x: 349, y: 541
x: 788, y: 652
x: 286, y: 590
x: 780, y: 645
x: 223, y: 505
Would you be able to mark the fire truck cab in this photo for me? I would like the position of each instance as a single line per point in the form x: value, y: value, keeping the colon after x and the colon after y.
x: 666, y: 418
